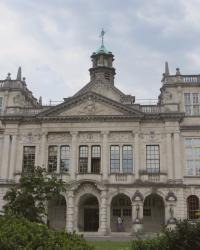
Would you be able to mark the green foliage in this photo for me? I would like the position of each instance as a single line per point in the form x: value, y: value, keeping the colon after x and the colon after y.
x: 186, y: 236
x: 28, y: 198
x: 21, y: 234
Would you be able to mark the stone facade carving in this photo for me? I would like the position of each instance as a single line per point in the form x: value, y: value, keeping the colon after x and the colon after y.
x: 62, y: 137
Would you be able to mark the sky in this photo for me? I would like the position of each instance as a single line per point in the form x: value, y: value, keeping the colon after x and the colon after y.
x: 52, y: 40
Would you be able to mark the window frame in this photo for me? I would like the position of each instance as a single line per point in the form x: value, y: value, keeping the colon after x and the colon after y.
x: 83, y: 169
x: 192, y: 156
x: 154, y: 160
x: 128, y: 169
x: 192, y: 103
x: 117, y: 170
x: 95, y: 169
x: 54, y: 167
x: 28, y: 168
x: 62, y: 169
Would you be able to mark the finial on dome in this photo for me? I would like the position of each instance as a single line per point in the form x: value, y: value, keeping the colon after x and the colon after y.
x: 102, y: 34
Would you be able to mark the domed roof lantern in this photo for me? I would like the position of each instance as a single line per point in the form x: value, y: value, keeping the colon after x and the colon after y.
x: 102, y: 63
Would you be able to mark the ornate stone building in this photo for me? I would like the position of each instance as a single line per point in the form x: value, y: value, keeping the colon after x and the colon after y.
x: 119, y: 159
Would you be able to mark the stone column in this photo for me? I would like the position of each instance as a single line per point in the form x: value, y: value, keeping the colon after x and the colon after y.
x: 137, y: 217
x: 13, y: 157
x: 70, y: 212
x: 73, y: 165
x: 43, y: 150
x: 177, y: 157
x: 103, y: 227
x: 169, y: 156
x: 5, y: 157
x: 105, y: 162
x: 137, y: 155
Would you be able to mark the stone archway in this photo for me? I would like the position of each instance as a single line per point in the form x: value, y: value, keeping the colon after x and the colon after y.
x: 153, y: 213
x: 121, y: 208
x: 88, y: 214
x: 56, y: 217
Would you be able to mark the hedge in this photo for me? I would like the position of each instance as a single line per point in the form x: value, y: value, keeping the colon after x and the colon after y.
x: 20, y: 234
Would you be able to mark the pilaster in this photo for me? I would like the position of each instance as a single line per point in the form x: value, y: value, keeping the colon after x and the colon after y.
x: 169, y: 156
x: 73, y: 165
x: 177, y: 157
x: 105, y: 160
x: 103, y: 228
x: 5, y: 157
x: 43, y: 150
x: 13, y: 156
x: 70, y: 212
x: 136, y: 155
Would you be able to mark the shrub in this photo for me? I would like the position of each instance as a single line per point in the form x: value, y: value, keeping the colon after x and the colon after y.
x: 186, y: 236
x: 20, y: 234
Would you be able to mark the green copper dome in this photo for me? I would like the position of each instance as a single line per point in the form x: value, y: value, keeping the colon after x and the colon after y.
x: 102, y: 49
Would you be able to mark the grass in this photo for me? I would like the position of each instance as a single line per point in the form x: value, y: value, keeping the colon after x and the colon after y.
x: 110, y: 245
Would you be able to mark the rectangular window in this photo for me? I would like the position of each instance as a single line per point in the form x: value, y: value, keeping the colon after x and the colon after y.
x: 64, y: 158
x: 96, y: 159
x: 28, y: 158
x: 52, y: 158
x: 127, y: 159
x: 1, y: 104
x: 114, y: 159
x: 83, y: 159
x: 153, y: 158
x: 191, y: 101
x: 192, y: 152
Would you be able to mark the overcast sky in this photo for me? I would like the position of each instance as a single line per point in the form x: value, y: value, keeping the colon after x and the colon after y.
x: 53, y: 40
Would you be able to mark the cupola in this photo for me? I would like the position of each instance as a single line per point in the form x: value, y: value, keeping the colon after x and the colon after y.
x: 102, y: 64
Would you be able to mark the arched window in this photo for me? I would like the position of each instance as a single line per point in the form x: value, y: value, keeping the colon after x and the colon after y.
x: 193, y: 206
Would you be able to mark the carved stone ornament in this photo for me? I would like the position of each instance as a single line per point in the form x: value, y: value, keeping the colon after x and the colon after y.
x: 19, y: 100
x: 120, y: 136
x: 137, y: 196
x: 171, y: 197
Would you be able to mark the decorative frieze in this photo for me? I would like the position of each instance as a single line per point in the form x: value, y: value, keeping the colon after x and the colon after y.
x: 57, y: 137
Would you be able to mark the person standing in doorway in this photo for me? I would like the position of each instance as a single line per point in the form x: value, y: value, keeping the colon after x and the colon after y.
x: 119, y: 224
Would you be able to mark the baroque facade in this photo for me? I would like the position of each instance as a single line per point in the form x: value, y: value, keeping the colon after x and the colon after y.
x: 118, y: 159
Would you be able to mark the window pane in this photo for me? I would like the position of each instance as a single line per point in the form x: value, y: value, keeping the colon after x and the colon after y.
x: 187, y: 98
x: 192, y: 153
x: 96, y: 159
x: 52, y: 158
x: 114, y: 159
x: 195, y: 98
x: 153, y: 158
x: 28, y: 158
x: 127, y: 159
x: 64, y: 158
x: 83, y: 151
x: 83, y: 159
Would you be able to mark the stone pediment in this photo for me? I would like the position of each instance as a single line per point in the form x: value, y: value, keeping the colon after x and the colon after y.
x: 89, y: 104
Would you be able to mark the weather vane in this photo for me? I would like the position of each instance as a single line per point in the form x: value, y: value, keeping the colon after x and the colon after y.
x: 102, y: 37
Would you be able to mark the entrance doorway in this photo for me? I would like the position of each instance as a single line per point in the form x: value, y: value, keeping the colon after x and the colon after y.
x: 121, y: 211
x: 153, y: 213
x: 89, y: 213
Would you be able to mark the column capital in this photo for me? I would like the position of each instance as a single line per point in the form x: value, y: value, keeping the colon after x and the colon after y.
x: 105, y: 133
x: 74, y: 133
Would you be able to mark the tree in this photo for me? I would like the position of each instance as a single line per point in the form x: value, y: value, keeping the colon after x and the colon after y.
x: 28, y: 199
